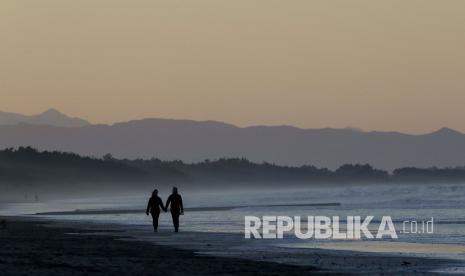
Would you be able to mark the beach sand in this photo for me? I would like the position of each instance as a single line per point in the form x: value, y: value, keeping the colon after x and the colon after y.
x: 38, y: 247
x: 30, y: 248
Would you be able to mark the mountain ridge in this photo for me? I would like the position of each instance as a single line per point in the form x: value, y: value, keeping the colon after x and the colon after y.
x: 194, y: 141
x: 49, y: 117
x: 52, y: 112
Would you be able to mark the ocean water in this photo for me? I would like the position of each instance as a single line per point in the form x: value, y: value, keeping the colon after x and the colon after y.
x: 421, y: 202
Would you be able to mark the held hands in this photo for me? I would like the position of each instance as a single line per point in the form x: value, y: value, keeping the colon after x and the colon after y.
x: 147, y: 213
x: 182, y: 212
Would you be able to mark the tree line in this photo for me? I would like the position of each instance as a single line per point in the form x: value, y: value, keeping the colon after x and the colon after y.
x: 26, y: 164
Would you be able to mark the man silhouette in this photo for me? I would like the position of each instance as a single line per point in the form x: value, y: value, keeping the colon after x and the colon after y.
x: 152, y: 208
x: 177, y: 208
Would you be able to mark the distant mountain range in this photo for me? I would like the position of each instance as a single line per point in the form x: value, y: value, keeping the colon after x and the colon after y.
x: 193, y: 141
x: 50, y: 117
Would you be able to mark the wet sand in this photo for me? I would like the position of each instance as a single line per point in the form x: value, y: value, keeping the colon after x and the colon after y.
x: 455, y: 250
x: 38, y: 247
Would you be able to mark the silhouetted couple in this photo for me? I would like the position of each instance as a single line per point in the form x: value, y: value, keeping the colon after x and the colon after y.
x: 155, y: 203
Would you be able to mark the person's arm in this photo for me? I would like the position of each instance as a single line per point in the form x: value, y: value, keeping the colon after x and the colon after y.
x: 180, y: 203
x: 160, y: 202
x: 168, y: 201
x: 148, y: 207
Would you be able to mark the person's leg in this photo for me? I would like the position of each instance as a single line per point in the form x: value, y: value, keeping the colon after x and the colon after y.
x: 175, y: 216
x: 176, y: 222
x: 155, y: 216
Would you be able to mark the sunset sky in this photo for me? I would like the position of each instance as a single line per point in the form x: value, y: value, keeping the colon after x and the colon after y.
x: 376, y: 65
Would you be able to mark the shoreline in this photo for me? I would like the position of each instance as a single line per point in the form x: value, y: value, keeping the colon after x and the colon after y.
x: 57, y: 243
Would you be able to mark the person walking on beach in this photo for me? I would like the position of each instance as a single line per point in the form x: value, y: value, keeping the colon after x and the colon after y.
x: 177, y: 208
x: 153, y: 208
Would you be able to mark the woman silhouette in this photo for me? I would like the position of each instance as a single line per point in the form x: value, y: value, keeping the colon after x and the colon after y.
x: 153, y: 208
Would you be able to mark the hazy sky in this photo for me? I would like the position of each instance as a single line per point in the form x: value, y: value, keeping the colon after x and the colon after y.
x: 377, y: 65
